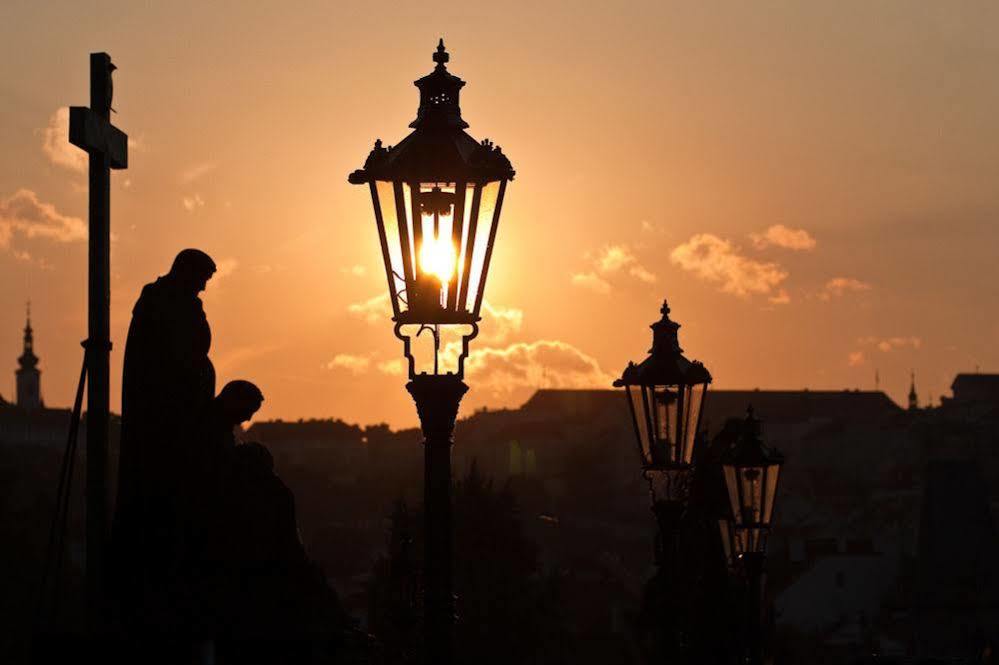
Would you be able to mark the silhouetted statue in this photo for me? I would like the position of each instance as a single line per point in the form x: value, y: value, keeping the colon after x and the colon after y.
x: 168, y: 382
x: 245, y: 573
x: 209, y: 500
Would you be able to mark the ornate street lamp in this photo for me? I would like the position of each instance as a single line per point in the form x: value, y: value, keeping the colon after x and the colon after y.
x: 666, y: 393
x: 437, y: 197
x: 751, y: 472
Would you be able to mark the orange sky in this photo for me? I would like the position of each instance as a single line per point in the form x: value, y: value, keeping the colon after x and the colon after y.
x: 813, y: 185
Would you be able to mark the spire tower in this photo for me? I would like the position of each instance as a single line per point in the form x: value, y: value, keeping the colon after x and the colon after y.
x: 29, y: 393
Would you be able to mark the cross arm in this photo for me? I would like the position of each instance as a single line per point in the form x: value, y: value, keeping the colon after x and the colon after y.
x: 93, y: 133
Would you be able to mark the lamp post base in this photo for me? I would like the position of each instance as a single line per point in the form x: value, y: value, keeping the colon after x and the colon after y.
x: 437, y: 397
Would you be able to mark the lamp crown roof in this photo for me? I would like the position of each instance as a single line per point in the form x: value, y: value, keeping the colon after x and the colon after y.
x: 439, y: 95
x: 666, y: 364
x: 749, y: 448
x: 438, y: 149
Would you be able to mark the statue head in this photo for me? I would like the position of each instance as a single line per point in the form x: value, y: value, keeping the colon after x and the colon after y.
x: 238, y: 401
x: 192, y: 269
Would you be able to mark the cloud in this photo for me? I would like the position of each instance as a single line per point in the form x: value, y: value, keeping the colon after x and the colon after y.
x: 839, y: 286
x: 353, y: 364
x: 591, y: 281
x: 716, y: 260
x: 24, y: 214
x: 372, y: 310
x: 499, y: 323
x: 779, y: 235
x: 615, y: 258
x: 538, y: 364
x: 889, y: 344
x: 612, y: 260
x: 56, y: 145
x: 394, y: 367
x: 195, y: 172
x: 355, y: 270
x: 650, y: 227
x: 642, y: 275
x: 192, y: 202
x: 855, y: 359
x: 782, y: 298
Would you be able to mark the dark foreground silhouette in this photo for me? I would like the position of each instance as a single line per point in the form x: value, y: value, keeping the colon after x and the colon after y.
x: 206, y: 553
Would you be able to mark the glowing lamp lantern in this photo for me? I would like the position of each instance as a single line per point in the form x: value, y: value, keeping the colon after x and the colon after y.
x: 751, y: 472
x: 437, y: 198
x: 665, y: 395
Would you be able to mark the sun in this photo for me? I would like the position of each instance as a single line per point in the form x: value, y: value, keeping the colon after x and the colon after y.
x: 437, y: 257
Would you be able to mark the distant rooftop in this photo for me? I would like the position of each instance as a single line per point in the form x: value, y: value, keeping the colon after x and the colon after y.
x: 775, y: 406
x: 974, y: 388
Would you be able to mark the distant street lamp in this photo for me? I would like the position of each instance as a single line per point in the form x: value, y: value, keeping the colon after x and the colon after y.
x: 437, y: 197
x: 666, y: 393
x: 751, y: 472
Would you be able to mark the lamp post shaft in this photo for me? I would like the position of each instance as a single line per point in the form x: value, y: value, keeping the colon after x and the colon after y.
x: 755, y: 563
x: 668, y: 515
x: 437, y: 398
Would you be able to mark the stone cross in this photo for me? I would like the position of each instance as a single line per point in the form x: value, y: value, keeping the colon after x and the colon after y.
x: 91, y: 129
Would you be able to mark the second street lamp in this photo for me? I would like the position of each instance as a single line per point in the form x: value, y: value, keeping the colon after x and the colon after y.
x: 437, y: 198
x: 665, y: 395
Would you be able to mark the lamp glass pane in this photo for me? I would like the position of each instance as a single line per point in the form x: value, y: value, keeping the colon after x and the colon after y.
x: 691, y: 418
x: 641, y: 427
x: 773, y: 472
x: 390, y: 220
x: 436, y: 253
x: 465, y: 245
x: 732, y: 485
x: 665, y: 423
x: 407, y: 217
x: 480, y: 243
x: 741, y: 541
x: 751, y: 482
x: 726, y: 538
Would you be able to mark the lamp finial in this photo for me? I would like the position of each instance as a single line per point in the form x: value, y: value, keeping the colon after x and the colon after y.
x: 441, y: 56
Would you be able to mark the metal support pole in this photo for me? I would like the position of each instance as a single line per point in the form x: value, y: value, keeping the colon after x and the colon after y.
x: 667, y: 588
x: 437, y: 398
x: 668, y: 515
x: 755, y: 563
x: 99, y: 352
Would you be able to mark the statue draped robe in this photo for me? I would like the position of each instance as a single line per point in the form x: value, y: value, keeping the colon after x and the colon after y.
x: 167, y: 385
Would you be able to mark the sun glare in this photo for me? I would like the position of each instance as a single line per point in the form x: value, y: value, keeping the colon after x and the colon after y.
x: 437, y: 257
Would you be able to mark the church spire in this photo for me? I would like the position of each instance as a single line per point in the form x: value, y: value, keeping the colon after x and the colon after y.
x: 28, y: 359
x: 28, y: 375
x: 913, y: 397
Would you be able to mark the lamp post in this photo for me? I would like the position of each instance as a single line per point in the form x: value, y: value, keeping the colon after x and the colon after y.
x: 437, y: 197
x: 751, y: 472
x: 665, y: 394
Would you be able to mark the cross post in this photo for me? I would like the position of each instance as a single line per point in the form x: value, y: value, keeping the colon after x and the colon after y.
x: 91, y: 129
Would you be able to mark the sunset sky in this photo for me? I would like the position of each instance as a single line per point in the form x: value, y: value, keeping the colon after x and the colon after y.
x: 814, y: 186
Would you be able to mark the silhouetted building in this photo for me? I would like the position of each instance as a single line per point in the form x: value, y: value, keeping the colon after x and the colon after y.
x: 913, y: 397
x: 971, y: 389
x: 29, y: 389
x: 27, y: 421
